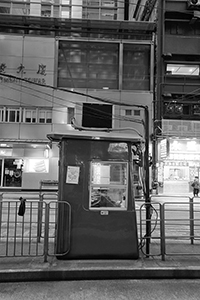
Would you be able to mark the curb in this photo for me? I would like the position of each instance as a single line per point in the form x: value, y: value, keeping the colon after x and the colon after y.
x: 98, y: 274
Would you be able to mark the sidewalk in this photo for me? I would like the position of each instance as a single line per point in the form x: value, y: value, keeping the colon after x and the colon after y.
x: 35, y: 269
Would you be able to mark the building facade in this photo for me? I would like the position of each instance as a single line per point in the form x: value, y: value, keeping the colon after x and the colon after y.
x: 139, y: 10
x: 177, y: 115
x: 54, y: 69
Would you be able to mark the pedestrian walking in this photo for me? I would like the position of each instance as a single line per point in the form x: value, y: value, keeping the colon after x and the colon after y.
x: 196, y: 186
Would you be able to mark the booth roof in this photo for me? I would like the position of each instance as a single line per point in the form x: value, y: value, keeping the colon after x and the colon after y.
x: 95, y: 135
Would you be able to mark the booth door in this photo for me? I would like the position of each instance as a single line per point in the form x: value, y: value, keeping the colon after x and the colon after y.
x: 103, y: 222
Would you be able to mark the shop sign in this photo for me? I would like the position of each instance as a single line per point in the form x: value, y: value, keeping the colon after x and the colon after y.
x: 164, y: 148
x: 20, y: 70
x: 29, y: 58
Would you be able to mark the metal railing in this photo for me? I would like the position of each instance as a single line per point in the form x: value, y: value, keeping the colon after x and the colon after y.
x: 175, y: 228
x: 35, y: 233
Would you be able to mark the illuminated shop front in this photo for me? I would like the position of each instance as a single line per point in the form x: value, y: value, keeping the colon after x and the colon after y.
x: 24, y: 165
x: 179, y: 163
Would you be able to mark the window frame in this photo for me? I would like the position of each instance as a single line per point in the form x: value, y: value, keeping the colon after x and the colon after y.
x: 22, y: 115
x: 74, y: 74
x: 179, y: 66
x: 110, y: 186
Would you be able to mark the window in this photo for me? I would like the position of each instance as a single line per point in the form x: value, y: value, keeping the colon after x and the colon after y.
x: 49, y: 116
x: 46, y: 11
x: 96, y: 65
x: 11, y: 115
x: 1, y: 114
x: 108, y: 185
x: 12, y: 172
x: 65, y: 12
x: 25, y: 115
x: 20, y: 9
x: 45, y: 116
x: 136, y: 67
x: 136, y: 112
x: 128, y: 112
x: 88, y: 65
x: 42, y: 116
x: 180, y: 69
x: 28, y: 116
x: 5, y: 8
x: 70, y: 116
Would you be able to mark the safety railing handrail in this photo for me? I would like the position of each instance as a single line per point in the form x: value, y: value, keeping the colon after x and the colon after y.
x: 166, y: 223
x: 40, y: 223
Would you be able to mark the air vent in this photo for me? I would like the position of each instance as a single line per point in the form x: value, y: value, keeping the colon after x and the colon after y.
x: 193, y: 4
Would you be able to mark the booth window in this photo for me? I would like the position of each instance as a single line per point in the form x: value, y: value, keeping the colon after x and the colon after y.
x: 109, y: 185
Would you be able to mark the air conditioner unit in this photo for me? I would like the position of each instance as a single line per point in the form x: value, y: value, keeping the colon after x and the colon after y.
x: 193, y: 4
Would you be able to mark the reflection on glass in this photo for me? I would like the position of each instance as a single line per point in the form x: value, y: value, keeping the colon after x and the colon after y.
x: 109, y: 173
x: 111, y: 197
x: 108, y: 184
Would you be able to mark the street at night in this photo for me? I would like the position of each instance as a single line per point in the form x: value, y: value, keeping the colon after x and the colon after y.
x: 102, y: 290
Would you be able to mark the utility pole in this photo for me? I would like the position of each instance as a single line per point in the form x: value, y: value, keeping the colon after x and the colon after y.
x: 147, y: 194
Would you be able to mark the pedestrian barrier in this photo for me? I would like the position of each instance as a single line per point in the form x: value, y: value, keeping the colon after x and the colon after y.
x: 172, y: 224
x: 35, y: 233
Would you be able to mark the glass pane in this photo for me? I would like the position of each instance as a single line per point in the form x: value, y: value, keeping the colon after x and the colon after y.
x: 83, y: 61
x: 108, y: 185
x: 12, y: 174
x: 12, y: 116
x: 48, y: 117
x: 65, y: 12
x: 108, y: 197
x: 136, y: 67
x: 46, y: 11
x: 20, y: 9
x: 177, y: 69
x: 1, y: 114
x: 108, y: 3
x: 70, y: 111
x: 33, y: 116
x: 4, y: 8
x: 56, y: 11
x: 109, y: 173
x: 17, y: 116
x: 67, y: 2
x: 0, y: 170
x: 6, y: 116
x: 28, y: 116
x: 42, y: 117
x: 91, y: 13
x: 92, y: 3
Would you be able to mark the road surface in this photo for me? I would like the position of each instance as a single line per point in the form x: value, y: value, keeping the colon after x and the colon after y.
x: 102, y: 290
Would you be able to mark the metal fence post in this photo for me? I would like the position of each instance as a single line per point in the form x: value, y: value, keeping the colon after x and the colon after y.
x: 46, y: 232
x: 1, y: 210
x: 191, y: 220
x: 162, y: 231
x: 40, y: 207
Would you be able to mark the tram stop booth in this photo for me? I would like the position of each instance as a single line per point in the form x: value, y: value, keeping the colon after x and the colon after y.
x: 96, y: 209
